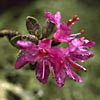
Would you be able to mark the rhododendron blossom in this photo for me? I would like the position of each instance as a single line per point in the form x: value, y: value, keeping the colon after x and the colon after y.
x: 78, y: 49
x: 64, y: 31
x: 46, y: 58
x: 52, y: 58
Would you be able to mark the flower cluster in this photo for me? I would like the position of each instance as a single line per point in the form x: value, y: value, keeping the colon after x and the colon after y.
x: 48, y: 57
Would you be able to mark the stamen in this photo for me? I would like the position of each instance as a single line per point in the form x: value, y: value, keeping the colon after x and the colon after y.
x: 88, y: 55
x: 82, y: 38
x: 75, y: 65
x: 82, y: 31
x: 73, y: 20
x: 44, y: 51
x: 61, y: 62
x: 43, y: 70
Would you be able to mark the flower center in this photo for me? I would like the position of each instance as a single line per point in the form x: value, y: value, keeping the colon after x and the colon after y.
x: 61, y: 62
x: 42, y: 53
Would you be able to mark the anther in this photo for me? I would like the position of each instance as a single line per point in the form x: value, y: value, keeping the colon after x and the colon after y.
x: 61, y: 62
x: 82, y: 38
x: 82, y: 31
x: 43, y: 51
x: 73, y: 20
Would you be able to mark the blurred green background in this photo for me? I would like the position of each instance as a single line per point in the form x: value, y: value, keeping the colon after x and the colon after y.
x: 22, y: 84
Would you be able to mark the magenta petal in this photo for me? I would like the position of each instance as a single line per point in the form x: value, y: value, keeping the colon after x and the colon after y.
x: 63, y: 33
x: 77, y: 77
x: 74, y: 35
x: 68, y: 71
x: 42, y: 71
x: 53, y: 18
x: 60, y: 77
x: 82, y: 54
x: 21, y: 61
x: 90, y: 44
x: 57, y: 19
x: 56, y: 53
x: 72, y: 75
x: 75, y: 43
x: 45, y: 44
x: 49, y: 16
x: 24, y: 44
x: 24, y: 59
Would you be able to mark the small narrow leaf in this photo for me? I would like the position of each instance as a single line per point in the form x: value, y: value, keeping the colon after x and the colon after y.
x: 14, y: 40
x: 32, y: 25
x: 47, y: 29
x: 31, y: 38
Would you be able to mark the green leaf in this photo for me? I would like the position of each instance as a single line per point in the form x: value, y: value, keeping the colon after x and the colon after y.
x: 33, y: 26
x: 47, y: 29
x: 13, y: 40
x: 31, y: 38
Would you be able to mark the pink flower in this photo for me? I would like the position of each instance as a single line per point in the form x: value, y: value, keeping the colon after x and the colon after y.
x: 46, y: 58
x: 63, y: 32
x: 35, y: 54
x: 79, y: 49
x: 60, y: 61
x: 62, y: 67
